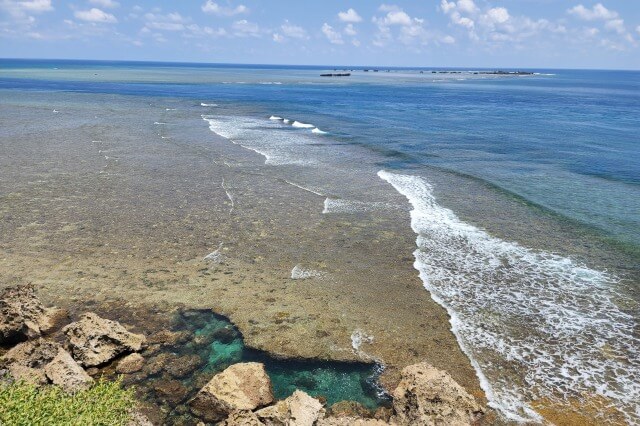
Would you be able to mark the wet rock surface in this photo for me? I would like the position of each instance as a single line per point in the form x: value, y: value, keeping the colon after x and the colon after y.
x: 130, y: 364
x: 298, y: 410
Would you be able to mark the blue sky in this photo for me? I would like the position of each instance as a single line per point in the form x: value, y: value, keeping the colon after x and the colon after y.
x: 473, y: 33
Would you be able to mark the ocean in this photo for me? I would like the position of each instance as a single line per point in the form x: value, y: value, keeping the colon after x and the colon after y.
x: 523, y: 192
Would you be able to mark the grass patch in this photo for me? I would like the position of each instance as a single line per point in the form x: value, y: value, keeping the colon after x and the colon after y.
x: 105, y: 403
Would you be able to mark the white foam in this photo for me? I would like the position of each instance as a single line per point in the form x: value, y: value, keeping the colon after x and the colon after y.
x: 534, y: 324
x: 286, y: 120
x: 55, y: 111
x: 208, y: 105
x: 300, y: 273
x: 300, y: 125
x: 267, y: 138
x: 158, y: 123
x: 274, y: 117
x: 215, y: 256
x: 170, y: 109
x: 318, y: 131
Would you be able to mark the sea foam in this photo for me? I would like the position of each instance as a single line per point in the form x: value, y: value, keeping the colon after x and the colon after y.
x: 301, y: 125
x: 534, y: 324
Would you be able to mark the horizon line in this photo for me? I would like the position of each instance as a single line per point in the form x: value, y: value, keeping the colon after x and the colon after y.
x: 314, y: 65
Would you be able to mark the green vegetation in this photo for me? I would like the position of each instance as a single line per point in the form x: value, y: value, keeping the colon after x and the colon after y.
x: 105, y: 403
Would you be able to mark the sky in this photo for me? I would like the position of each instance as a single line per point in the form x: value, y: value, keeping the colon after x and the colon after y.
x: 429, y: 33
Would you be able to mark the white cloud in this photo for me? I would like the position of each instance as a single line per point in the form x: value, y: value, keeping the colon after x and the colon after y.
x: 448, y: 39
x: 616, y: 25
x: 107, y: 4
x: 410, y: 29
x: 467, y: 6
x: 278, y: 38
x: 216, y: 9
x: 95, y: 15
x: 598, y: 12
x: 169, y: 22
x: 293, y: 31
x: 244, y: 28
x: 19, y: 9
x: 332, y: 35
x: 350, y: 30
x: 350, y: 16
x: 638, y: 29
x: 498, y: 15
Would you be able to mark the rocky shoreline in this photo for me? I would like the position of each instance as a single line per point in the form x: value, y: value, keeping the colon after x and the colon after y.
x: 43, y: 346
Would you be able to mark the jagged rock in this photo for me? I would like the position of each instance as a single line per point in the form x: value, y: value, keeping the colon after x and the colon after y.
x: 242, y: 418
x: 23, y: 317
x: 383, y: 413
x: 428, y: 396
x: 130, y: 364
x: 299, y: 409
x: 169, y: 338
x: 95, y: 341
x: 184, y: 365
x: 349, y: 409
x: 27, y: 360
x: 66, y: 373
x: 244, y: 386
x: 353, y: 421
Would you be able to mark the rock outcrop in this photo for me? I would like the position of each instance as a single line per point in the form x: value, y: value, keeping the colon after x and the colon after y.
x: 298, y: 410
x: 95, y: 341
x: 242, y: 418
x: 42, y: 361
x: 26, y: 361
x: 241, y: 387
x: 23, y: 317
x: 63, y: 371
x: 428, y: 396
x: 130, y: 364
x: 353, y: 421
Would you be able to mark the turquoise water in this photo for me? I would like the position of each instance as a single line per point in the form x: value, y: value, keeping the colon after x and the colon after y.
x: 335, y: 381
x: 524, y: 191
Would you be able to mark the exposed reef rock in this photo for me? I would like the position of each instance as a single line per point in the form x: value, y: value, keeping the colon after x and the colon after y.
x: 63, y: 371
x: 244, y: 386
x: 23, y: 317
x: 428, y: 396
x: 41, y: 361
x: 95, y: 341
x: 298, y: 410
x: 130, y: 364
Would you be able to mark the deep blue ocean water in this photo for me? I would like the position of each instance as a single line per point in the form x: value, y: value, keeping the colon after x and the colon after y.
x: 563, y: 143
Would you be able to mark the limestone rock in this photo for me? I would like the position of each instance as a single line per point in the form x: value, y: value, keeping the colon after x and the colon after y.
x: 130, y: 364
x: 299, y: 409
x: 171, y: 391
x: 244, y: 386
x: 27, y: 360
x: 184, y: 365
x: 95, y: 341
x: 23, y: 317
x: 169, y: 338
x: 139, y: 419
x: 349, y: 409
x: 242, y: 418
x: 352, y: 421
x: 428, y: 396
x: 66, y: 373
